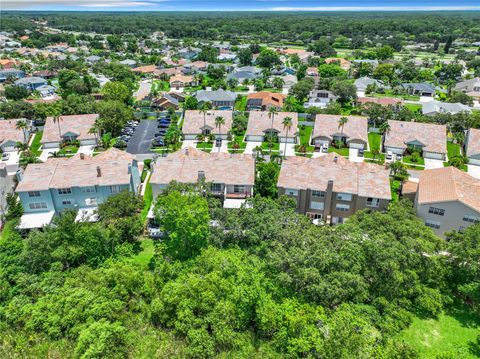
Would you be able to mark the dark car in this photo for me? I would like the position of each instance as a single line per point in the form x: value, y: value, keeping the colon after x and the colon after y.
x: 163, y: 125
x: 360, y: 152
x: 158, y: 142
x: 218, y: 142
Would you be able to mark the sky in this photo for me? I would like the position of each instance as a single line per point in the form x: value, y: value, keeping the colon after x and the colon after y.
x: 239, y: 5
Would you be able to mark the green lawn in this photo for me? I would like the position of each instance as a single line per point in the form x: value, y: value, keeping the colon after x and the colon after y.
x: 147, y: 200
x: 413, y: 107
x: 453, y: 149
x: 394, y: 187
x: 159, y: 85
x: 239, y: 140
x: 276, y: 146
x: 35, y: 147
x: 380, y: 159
x: 241, y: 103
x: 408, y: 160
x: 454, y: 332
x: 388, y: 93
x: 374, y: 141
x: 146, y: 254
x: 341, y: 151
x: 68, y: 150
x: 205, y: 146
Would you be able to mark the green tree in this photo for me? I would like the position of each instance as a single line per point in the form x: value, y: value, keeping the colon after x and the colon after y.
x: 287, y: 124
x: 16, y: 93
x: 113, y: 116
x: 266, y: 179
x: 345, y: 91
x: 245, y: 57
x: 117, y: 91
x: 268, y: 58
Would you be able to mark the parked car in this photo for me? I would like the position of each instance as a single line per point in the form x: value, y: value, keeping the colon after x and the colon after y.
x: 218, y: 142
x: 158, y: 142
x: 119, y: 143
x: 399, y: 157
x: 389, y: 155
x: 360, y: 152
x: 5, y: 156
x: 325, y: 148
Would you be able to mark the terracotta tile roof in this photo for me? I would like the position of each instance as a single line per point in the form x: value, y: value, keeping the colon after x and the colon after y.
x: 473, y: 147
x: 327, y: 125
x: 384, y: 101
x: 183, y: 166
x: 343, y: 63
x: 259, y: 122
x: 145, y: 69
x: 433, y: 136
x: 193, y: 121
x: 181, y: 78
x: 363, y: 179
x: 448, y: 184
x: 268, y: 98
x: 78, y: 124
x: 77, y: 172
x: 409, y: 187
x: 9, y: 132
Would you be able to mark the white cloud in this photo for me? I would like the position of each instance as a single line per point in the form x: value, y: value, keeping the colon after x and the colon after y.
x: 39, y: 4
x: 374, y: 8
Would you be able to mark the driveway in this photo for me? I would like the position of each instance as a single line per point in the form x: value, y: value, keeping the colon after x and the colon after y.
x: 223, y: 147
x: 474, y: 171
x: 141, y: 141
x: 12, y: 162
x: 250, y: 146
x: 290, y: 151
x: 318, y: 154
x: 353, y: 155
x: 189, y: 143
x: 431, y: 163
x: 86, y: 149
x: 47, y: 152
x: 144, y: 90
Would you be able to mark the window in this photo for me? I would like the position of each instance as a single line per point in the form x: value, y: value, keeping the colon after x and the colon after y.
x: 67, y: 202
x: 313, y: 216
x: 34, y: 194
x: 320, y: 194
x: 291, y: 192
x: 238, y: 188
x: 373, y: 202
x: 216, y: 187
x: 88, y: 189
x: 344, y: 197
x: 437, y: 211
x: 64, y: 191
x: 470, y: 218
x: 319, y: 206
x: 114, y: 189
x: 342, y: 207
x: 91, y: 201
x: 37, y: 205
x: 432, y: 224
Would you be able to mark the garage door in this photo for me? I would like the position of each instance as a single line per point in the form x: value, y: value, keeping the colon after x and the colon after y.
x: 91, y: 142
x: 254, y: 138
x: 395, y: 150
x: 433, y: 155
x: 356, y: 145
x: 51, y: 145
x: 474, y: 161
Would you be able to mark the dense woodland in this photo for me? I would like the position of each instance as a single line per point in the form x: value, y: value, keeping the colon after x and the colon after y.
x: 255, y: 282
x: 294, y: 27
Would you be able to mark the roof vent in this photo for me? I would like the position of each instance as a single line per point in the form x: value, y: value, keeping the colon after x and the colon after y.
x: 82, y: 156
x: 99, y: 171
x: 335, y: 159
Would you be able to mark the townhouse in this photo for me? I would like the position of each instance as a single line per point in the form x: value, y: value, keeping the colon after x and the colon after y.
x: 329, y: 130
x: 69, y: 128
x: 231, y: 176
x: 196, y: 122
x: 448, y: 199
x: 6, y: 187
x: 10, y: 135
x: 332, y: 188
x: 264, y: 100
x: 427, y: 138
x: 261, y: 124
x: 472, y: 146
x: 80, y: 182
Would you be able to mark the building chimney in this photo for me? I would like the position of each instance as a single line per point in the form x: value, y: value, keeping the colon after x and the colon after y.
x: 201, y: 176
x: 99, y: 171
x: 82, y: 156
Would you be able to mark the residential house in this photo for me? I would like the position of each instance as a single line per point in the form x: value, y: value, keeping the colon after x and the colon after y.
x: 196, y: 122
x: 147, y: 69
x: 80, y: 182
x: 92, y: 59
x: 11, y: 74
x: 129, y: 62
x: 8, y: 63
x: 319, y: 98
x: 165, y: 74
x: 263, y: 101
x: 260, y: 126
x: 332, y: 188
x: 374, y: 63
x: 432, y: 108
x: 10, y: 136
x: 178, y: 82
x: 327, y: 130
x: 312, y: 71
x: 195, y: 67
x: 69, y: 128
x: 448, y: 199
x: 363, y: 82
x: 384, y: 101
x: 47, y: 75
x: 31, y: 83
x: 472, y: 146
x: 6, y: 186
x: 231, y: 176
x: 242, y: 76
x: 470, y: 87
x: 427, y: 138
x: 344, y: 64
x: 221, y: 99
x: 165, y: 102
x: 420, y: 89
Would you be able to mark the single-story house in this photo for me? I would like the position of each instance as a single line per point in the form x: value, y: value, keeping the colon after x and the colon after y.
x: 147, y: 69
x: 260, y: 126
x: 433, y: 108
x: 165, y: 102
x: 429, y: 138
x: 11, y: 73
x: 180, y: 81
x: 319, y: 98
x: 224, y: 100
x: 31, y: 83
x: 327, y: 129
x: 472, y: 146
x: 344, y: 64
x: 195, y: 123
x: 384, y: 101
x: 312, y: 71
x: 420, y: 89
x: 265, y: 100
x: 10, y: 135
x: 362, y: 83
x: 69, y: 128
x: 374, y: 63
x: 129, y: 63
x: 241, y: 76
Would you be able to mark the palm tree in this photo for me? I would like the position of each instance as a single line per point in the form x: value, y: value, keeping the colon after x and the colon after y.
x: 94, y: 131
x: 22, y: 125
x: 57, y: 119
x: 219, y: 122
x: 272, y: 111
x: 342, y: 122
x: 385, y: 127
x: 287, y: 124
x: 203, y: 109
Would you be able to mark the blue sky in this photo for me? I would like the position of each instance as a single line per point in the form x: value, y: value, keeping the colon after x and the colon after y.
x: 231, y: 5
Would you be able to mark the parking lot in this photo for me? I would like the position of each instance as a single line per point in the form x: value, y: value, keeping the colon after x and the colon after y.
x: 141, y: 140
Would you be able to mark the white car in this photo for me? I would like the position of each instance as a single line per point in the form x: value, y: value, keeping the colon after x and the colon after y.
x: 389, y: 155
x: 5, y: 156
x: 324, y: 148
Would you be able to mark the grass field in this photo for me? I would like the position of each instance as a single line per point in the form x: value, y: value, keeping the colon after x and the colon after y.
x: 205, y: 146
x: 341, y: 151
x: 148, y: 250
x: 35, y: 147
x: 374, y: 141
x: 453, y: 149
x: 454, y: 332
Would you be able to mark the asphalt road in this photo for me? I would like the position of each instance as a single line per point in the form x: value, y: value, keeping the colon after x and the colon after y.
x: 141, y: 141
